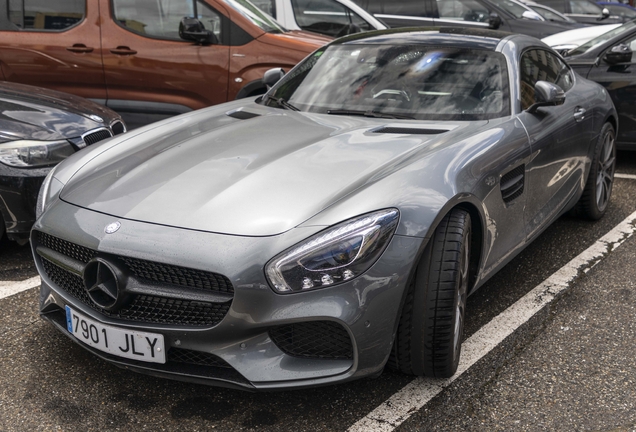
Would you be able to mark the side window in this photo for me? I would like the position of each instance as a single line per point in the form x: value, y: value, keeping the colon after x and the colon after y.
x: 161, y: 18
x: 267, y: 6
x: 540, y: 65
x: 632, y: 44
x: 416, y: 8
x: 585, y: 8
x: 54, y: 15
x: 462, y: 10
x: 557, y: 5
x: 325, y: 16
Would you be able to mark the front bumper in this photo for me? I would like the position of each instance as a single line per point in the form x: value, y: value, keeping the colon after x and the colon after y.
x: 19, y: 190
x: 244, y: 349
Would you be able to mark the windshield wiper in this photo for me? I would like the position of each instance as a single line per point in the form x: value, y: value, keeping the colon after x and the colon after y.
x: 374, y: 114
x: 282, y: 102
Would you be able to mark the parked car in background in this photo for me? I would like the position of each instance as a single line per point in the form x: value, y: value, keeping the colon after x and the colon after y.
x: 329, y: 17
x: 583, y: 11
x: 609, y: 60
x: 129, y: 56
x: 38, y: 129
x: 546, y: 12
x: 568, y: 40
x: 622, y: 10
x: 331, y: 227
x: 506, y: 15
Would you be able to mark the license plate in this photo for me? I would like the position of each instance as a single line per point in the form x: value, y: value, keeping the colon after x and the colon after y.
x: 142, y: 346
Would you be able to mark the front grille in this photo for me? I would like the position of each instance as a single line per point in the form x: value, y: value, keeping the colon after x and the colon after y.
x: 180, y: 355
x: 176, y: 275
x: 314, y: 339
x: 143, y: 308
x: 118, y: 128
x: 96, y: 136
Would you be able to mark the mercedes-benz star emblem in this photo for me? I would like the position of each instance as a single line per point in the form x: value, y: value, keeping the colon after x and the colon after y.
x: 96, y: 118
x: 100, y: 281
x: 111, y: 228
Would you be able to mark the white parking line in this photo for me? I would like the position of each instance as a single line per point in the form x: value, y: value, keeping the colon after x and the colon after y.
x: 9, y: 288
x: 625, y: 176
x: 407, y: 401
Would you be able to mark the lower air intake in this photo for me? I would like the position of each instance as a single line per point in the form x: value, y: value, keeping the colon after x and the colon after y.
x: 314, y: 339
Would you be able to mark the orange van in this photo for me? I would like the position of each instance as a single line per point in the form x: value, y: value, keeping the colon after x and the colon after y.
x: 129, y: 56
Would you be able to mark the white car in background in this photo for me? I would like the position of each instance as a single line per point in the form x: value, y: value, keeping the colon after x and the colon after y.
x: 568, y: 40
x: 329, y: 17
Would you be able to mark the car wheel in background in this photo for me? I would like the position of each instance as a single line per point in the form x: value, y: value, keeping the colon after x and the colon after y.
x: 598, y: 189
x: 429, y: 336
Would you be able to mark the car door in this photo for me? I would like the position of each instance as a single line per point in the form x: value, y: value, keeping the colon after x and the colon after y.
x: 149, y: 69
x: 53, y: 44
x: 404, y: 13
x: 327, y: 17
x: 620, y: 81
x: 560, y: 137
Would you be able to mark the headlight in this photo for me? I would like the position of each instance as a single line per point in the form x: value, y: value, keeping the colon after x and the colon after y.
x: 335, y: 255
x: 27, y: 153
x: 49, y: 191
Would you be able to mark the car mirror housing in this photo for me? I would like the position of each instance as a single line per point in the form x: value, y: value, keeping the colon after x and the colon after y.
x: 618, y: 54
x: 494, y: 21
x: 191, y: 29
x: 532, y: 16
x: 546, y: 94
x: 604, y: 14
x: 272, y: 76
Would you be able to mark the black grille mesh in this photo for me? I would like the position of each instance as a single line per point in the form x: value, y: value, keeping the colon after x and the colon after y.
x: 118, y: 128
x: 180, y: 355
x: 97, y: 136
x: 78, y: 253
x: 176, y: 275
x: 315, y: 339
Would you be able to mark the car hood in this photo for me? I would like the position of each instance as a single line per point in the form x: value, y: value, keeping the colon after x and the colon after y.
x: 256, y: 177
x: 28, y: 112
x: 579, y: 36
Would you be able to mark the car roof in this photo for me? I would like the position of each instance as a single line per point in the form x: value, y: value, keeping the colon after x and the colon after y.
x: 445, y: 36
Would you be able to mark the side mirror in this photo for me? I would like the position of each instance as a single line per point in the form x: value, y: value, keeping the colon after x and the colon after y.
x: 531, y: 16
x: 618, y: 54
x: 272, y: 76
x: 546, y: 94
x: 604, y: 14
x: 191, y: 29
x: 494, y: 21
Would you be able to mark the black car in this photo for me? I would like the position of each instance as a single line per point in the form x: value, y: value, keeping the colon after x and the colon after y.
x: 505, y: 15
x: 38, y: 129
x: 608, y: 60
x: 584, y: 11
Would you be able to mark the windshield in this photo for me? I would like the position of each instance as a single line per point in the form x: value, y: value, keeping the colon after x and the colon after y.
x: 621, y: 11
x: 257, y: 16
x: 585, y: 7
x: 511, y: 7
x: 549, y: 14
x: 403, y: 81
x: 603, y: 39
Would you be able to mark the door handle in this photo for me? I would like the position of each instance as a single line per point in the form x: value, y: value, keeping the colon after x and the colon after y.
x: 79, y: 48
x: 123, y: 50
x: 579, y: 114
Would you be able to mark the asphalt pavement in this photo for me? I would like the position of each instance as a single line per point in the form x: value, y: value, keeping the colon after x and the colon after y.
x: 570, y: 367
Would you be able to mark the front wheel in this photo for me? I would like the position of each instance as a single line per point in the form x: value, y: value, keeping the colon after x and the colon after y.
x: 598, y: 189
x: 429, y: 336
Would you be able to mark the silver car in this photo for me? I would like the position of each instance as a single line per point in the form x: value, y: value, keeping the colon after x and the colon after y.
x: 331, y: 227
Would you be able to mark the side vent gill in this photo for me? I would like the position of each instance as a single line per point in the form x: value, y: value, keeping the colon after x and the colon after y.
x: 408, y: 131
x: 512, y: 184
x: 242, y: 115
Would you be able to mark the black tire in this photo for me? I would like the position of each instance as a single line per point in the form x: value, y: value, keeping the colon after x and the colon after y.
x: 428, y: 342
x: 598, y: 189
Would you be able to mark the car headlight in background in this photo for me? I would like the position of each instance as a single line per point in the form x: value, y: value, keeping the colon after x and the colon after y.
x: 49, y: 191
x: 30, y: 153
x: 335, y: 255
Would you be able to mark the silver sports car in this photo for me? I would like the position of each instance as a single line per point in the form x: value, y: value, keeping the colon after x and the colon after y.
x: 331, y: 227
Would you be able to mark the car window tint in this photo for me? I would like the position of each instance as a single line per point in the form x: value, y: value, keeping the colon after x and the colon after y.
x: 55, y: 15
x: 267, y: 6
x: 548, y: 14
x: 540, y: 65
x: 462, y: 10
x: 514, y: 9
x: 585, y: 8
x: 621, y: 11
x: 161, y: 18
x: 557, y: 5
x: 416, y: 8
x: 325, y: 16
